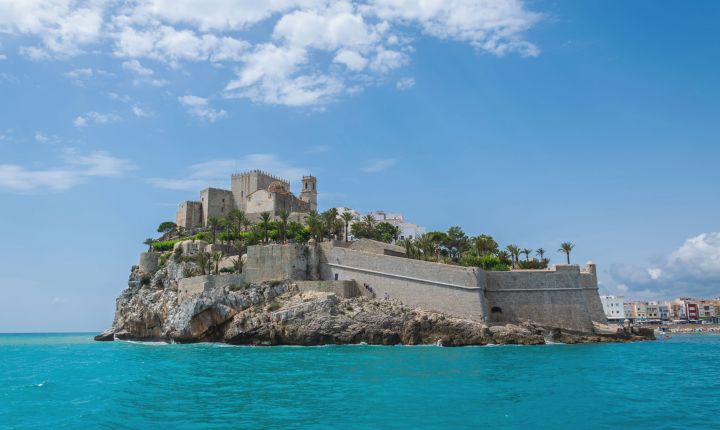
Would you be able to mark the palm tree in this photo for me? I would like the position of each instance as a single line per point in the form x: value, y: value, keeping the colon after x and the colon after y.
x: 312, y: 219
x: 330, y: 220
x: 409, y: 247
x: 347, y: 217
x: 514, y: 251
x: 149, y: 242
x: 216, y: 257
x: 265, y: 225
x: 214, y: 223
x: 527, y: 253
x: 370, y: 222
x: 202, y: 259
x: 566, y: 247
x: 282, y: 226
x: 237, y: 218
x: 541, y: 253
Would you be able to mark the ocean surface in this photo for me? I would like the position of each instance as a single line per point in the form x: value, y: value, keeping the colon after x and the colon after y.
x: 51, y: 381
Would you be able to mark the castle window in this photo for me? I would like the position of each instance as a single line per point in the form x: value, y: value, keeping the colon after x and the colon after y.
x: 495, y: 310
x: 336, y: 276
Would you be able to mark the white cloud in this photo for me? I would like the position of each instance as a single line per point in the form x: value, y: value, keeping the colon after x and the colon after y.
x: 691, y: 270
x: 379, y: 165
x: 76, y: 169
x: 144, y: 74
x: 165, y: 43
x: 58, y: 301
x: 351, y: 59
x: 217, y: 172
x: 198, y: 107
x: 41, y: 137
x: 96, y: 118
x: 493, y: 26
x: 3, y: 57
x: 63, y: 26
x: 140, y: 112
x: 405, y: 83
x: 79, y: 76
x: 135, y: 67
x: 287, y: 52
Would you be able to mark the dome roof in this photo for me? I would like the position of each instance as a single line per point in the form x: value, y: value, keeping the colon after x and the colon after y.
x: 277, y: 187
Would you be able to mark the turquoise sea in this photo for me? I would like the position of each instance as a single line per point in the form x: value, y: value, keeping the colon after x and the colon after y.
x: 50, y: 381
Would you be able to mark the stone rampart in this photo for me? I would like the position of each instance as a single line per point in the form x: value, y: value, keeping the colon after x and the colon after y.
x: 276, y: 262
x: 187, y: 287
x: 451, y: 289
x: 558, y: 297
x: 149, y: 261
x: 344, y: 289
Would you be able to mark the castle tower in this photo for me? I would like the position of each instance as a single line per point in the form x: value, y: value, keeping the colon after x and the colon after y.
x: 309, y: 191
x: 246, y: 183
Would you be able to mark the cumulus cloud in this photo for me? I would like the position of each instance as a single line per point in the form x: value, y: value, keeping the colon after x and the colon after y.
x: 199, y: 107
x: 287, y: 52
x: 95, y: 118
x: 141, y: 112
x: 217, y: 172
x: 691, y: 270
x: 405, y: 83
x: 63, y: 27
x: 142, y: 74
x: 76, y: 168
x: 379, y: 165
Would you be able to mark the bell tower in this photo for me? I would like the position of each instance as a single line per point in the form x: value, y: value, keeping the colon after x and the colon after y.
x: 309, y: 191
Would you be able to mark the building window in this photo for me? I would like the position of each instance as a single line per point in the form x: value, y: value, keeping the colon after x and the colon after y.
x: 336, y: 276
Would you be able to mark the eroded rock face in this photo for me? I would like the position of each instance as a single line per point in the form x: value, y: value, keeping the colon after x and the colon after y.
x: 279, y: 314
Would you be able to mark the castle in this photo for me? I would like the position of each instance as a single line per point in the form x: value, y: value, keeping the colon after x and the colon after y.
x: 565, y: 296
x: 252, y: 192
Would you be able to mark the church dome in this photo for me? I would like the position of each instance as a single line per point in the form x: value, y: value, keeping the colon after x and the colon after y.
x: 277, y: 187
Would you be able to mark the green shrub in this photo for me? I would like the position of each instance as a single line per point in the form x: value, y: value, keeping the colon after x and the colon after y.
x: 227, y: 270
x: 164, y: 245
x: 145, y: 280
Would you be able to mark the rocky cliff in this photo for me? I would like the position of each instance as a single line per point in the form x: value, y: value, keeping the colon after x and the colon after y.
x: 279, y: 313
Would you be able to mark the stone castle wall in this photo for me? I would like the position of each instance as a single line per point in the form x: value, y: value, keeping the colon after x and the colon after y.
x: 453, y: 290
x: 563, y: 297
x: 557, y: 298
x: 189, y: 215
x: 187, y: 287
x: 276, y: 262
x: 215, y: 203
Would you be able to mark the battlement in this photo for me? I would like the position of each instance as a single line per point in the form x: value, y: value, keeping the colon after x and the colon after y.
x: 260, y: 172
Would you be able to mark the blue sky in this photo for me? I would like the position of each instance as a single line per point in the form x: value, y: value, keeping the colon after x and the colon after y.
x: 536, y: 122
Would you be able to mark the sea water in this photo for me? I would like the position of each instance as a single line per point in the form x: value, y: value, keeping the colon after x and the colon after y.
x: 50, y: 381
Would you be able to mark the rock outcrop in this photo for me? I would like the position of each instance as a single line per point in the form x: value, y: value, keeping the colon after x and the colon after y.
x: 278, y: 313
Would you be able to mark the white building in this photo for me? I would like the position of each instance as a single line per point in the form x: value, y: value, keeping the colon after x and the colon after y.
x: 614, y: 307
x: 408, y: 230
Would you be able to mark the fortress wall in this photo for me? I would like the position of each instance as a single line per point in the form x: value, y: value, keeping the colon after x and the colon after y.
x: 450, y: 289
x: 588, y: 279
x: 149, y: 261
x: 549, y: 297
x: 215, y: 203
x: 344, y: 289
x: 189, y: 215
x: 187, y: 287
x: 276, y: 262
